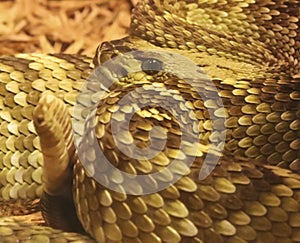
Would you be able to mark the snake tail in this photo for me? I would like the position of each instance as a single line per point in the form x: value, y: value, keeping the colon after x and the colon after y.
x: 52, y: 122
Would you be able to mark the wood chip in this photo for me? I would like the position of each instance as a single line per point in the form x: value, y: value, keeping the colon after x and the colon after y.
x: 67, y: 26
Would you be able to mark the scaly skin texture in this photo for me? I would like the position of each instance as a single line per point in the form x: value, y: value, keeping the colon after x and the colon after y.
x: 250, y: 51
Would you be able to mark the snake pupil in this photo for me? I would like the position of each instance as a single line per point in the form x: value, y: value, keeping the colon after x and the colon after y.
x: 152, y: 66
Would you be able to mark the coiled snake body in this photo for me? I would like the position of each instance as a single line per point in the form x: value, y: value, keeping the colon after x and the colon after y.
x: 250, y: 51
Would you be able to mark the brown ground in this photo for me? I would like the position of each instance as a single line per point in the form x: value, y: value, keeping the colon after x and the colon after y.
x: 69, y: 26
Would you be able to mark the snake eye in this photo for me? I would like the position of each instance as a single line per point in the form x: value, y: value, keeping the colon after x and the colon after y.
x: 152, y: 66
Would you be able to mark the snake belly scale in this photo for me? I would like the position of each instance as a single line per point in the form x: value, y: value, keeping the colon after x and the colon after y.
x: 250, y: 51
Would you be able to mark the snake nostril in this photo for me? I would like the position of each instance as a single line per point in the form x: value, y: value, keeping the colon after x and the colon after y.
x: 152, y: 66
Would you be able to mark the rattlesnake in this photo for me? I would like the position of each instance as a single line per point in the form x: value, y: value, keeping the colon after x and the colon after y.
x: 248, y: 50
